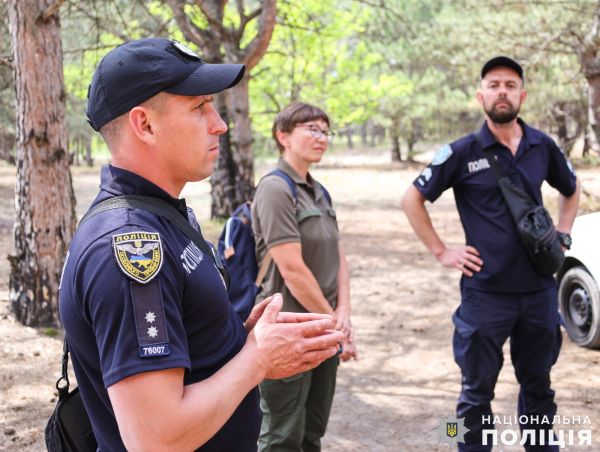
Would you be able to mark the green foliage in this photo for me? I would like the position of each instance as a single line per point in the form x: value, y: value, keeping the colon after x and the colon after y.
x: 407, y: 65
x: 315, y: 56
x: 7, y: 102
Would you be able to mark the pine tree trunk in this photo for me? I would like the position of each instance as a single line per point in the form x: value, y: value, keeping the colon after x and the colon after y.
x: 222, y: 180
x: 594, y: 113
x: 89, y: 160
x: 241, y: 137
x: 591, y: 71
x: 349, y: 133
x: 45, y: 213
x: 410, y: 145
x: 396, y: 154
x: 7, y: 147
x: 233, y: 179
x: 363, y: 135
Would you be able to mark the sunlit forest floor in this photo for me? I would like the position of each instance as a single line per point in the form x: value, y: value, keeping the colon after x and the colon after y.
x: 405, y: 382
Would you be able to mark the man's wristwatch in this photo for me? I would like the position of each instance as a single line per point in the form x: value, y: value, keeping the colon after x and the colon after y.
x: 565, y: 239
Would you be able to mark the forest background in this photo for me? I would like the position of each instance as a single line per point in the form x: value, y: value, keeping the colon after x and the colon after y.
x: 393, y: 74
x: 398, y: 79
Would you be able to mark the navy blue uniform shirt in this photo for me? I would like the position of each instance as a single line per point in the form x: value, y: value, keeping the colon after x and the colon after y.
x: 137, y: 295
x: 484, y: 214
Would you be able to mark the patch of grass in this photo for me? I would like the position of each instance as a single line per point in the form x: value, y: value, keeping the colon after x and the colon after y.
x: 589, y: 161
x: 50, y: 332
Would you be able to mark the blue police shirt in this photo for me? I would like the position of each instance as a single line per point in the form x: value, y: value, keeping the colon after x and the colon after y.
x: 484, y: 214
x: 137, y: 295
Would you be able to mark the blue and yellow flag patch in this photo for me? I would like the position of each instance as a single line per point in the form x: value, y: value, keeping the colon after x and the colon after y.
x: 139, y: 254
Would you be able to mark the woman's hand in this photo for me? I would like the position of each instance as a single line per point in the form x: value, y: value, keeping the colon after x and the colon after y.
x: 349, y: 350
x: 343, y: 323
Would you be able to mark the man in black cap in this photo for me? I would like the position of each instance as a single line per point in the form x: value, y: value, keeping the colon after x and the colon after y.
x: 162, y: 360
x: 502, y: 294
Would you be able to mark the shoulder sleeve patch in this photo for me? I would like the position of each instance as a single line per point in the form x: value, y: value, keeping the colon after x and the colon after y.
x: 138, y: 254
x: 442, y: 155
x: 569, y: 164
x: 150, y: 321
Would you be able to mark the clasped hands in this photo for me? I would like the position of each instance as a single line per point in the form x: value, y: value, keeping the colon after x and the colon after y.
x: 287, y: 343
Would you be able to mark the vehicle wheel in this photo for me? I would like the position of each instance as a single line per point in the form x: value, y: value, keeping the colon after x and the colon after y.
x: 579, y: 300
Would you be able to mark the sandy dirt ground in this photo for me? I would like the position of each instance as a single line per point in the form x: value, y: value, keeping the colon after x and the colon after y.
x: 405, y: 382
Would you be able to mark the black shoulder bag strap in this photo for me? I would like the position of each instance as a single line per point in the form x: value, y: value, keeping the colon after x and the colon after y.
x: 158, y: 207
x: 519, y: 202
x: 64, y: 390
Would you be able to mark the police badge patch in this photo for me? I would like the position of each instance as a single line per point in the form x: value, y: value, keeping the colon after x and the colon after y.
x: 442, y: 155
x: 138, y: 254
x: 185, y: 50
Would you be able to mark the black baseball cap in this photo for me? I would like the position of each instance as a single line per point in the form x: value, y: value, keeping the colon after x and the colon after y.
x: 137, y: 70
x: 502, y: 61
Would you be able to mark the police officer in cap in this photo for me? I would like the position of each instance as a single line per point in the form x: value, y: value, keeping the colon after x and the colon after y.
x: 502, y: 295
x: 161, y: 359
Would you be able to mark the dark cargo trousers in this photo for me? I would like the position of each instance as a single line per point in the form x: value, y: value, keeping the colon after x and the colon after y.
x: 482, y: 323
x: 296, y: 409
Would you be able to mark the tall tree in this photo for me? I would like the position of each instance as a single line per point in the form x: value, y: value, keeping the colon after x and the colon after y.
x: 228, y: 35
x: 590, y: 65
x: 45, y: 204
x: 7, y: 115
x: 558, y: 43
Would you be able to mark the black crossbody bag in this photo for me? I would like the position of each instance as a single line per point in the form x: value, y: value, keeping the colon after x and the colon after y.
x: 534, y: 224
x: 69, y: 428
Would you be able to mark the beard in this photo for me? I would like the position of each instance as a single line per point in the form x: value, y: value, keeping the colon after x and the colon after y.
x: 502, y: 116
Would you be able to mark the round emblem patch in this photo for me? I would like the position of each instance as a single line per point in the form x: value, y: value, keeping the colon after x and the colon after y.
x: 139, y: 254
x: 442, y: 155
x: 185, y: 50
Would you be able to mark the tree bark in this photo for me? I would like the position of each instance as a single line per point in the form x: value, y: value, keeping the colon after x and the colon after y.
x: 410, y: 145
x: 586, y: 145
x: 396, y: 154
x: 591, y: 71
x: 222, y: 180
x: 349, y: 133
x: 363, y: 135
x: 241, y: 136
x: 7, y: 147
x: 89, y: 160
x: 45, y: 203
x: 559, y: 114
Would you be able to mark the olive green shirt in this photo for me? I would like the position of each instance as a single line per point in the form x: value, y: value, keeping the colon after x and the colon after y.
x: 313, y: 223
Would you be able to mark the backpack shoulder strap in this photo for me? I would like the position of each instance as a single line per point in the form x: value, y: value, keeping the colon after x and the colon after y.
x: 290, y: 182
x: 292, y: 185
x: 326, y: 193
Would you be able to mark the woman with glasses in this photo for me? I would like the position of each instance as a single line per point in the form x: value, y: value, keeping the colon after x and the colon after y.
x: 298, y: 232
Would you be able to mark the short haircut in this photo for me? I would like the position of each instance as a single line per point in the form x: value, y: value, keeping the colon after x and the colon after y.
x: 294, y: 114
x: 112, y: 130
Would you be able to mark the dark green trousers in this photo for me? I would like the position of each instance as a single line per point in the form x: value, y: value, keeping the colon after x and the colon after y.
x: 296, y: 409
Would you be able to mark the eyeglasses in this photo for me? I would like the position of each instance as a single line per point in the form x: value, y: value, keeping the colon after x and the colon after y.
x: 317, y: 132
